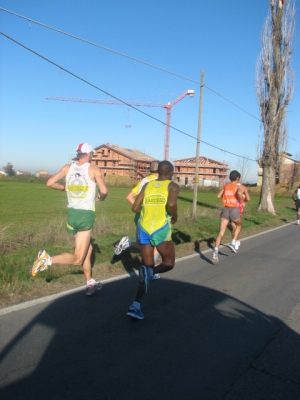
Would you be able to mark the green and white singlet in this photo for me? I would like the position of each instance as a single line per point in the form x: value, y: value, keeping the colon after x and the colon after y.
x: 81, y: 190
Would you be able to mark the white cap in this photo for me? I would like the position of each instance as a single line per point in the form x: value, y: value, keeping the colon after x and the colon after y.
x: 84, y: 148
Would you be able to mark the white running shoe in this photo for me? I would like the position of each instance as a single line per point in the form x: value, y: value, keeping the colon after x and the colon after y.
x: 237, y: 244
x: 41, y: 263
x: 155, y: 276
x: 215, y: 258
x: 233, y: 247
x: 92, y: 286
x: 122, y: 245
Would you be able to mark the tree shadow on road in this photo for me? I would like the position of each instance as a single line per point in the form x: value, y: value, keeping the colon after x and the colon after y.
x: 194, y: 343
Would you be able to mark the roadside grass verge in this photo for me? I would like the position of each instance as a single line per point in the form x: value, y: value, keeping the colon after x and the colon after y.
x: 33, y: 217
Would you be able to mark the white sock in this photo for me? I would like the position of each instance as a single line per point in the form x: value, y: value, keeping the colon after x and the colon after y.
x: 90, y: 281
x: 233, y: 241
x: 216, y: 249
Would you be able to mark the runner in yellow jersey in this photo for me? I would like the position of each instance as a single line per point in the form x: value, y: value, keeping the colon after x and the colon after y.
x: 125, y: 242
x: 157, y: 204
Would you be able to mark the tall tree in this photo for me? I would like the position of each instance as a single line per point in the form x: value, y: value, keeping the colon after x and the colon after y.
x: 274, y: 88
x: 9, y: 169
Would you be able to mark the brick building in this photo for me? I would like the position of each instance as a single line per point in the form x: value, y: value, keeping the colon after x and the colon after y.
x: 42, y: 173
x: 210, y: 172
x: 116, y: 160
x: 288, y: 172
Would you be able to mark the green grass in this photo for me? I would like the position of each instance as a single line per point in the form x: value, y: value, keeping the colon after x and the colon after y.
x: 33, y: 216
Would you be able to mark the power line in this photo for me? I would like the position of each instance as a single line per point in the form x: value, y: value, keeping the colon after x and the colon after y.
x: 116, y: 98
x: 126, y: 56
x: 134, y: 59
x: 294, y: 139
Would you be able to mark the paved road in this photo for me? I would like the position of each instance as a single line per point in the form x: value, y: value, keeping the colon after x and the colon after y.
x: 210, y: 332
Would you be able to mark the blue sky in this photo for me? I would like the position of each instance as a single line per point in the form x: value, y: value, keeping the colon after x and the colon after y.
x: 221, y: 37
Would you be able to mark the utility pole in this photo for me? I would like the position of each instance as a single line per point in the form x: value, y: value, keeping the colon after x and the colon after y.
x: 198, y: 146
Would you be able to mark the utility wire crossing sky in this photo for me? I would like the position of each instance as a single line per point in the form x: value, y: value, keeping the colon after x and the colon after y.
x: 236, y: 140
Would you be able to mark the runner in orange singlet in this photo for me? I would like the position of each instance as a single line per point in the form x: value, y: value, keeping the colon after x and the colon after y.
x: 232, y: 194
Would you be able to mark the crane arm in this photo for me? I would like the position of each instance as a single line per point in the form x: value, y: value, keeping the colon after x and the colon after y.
x: 113, y: 102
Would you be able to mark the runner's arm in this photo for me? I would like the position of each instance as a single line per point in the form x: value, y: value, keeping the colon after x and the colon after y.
x: 172, y: 201
x: 220, y: 194
x: 102, y: 193
x: 131, y: 197
x: 52, y: 181
x: 246, y: 193
x: 137, y: 205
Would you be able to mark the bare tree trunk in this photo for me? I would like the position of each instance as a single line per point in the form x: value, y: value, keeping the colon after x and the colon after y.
x: 274, y: 86
x: 267, y: 191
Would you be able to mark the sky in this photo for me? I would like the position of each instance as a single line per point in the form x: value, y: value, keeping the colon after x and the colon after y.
x: 181, y: 38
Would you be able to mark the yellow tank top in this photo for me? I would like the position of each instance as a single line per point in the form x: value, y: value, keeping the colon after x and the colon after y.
x: 154, y: 214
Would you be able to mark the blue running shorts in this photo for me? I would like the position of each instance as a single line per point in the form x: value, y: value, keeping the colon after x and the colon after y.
x: 163, y: 234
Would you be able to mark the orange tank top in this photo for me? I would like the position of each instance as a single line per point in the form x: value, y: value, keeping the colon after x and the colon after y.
x: 229, y: 196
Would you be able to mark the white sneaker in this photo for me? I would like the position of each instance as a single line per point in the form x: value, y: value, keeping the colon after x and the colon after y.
x: 237, y: 244
x: 92, y: 286
x: 122, y: 245
x: 215, y: 258
x: 155, y: 276
x: 233, y: 247
x: 41, y: 263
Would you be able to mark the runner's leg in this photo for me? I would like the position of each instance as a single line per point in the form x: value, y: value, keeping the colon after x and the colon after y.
x: 223, y: 226
x: 82, y: 243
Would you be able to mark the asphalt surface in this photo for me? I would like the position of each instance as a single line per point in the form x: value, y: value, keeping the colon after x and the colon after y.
x: 228, y: 332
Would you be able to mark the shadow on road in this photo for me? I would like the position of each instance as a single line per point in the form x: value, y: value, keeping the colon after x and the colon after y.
x: 194, y: 343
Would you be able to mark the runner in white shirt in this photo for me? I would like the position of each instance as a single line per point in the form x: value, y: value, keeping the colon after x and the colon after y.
x: 81, y: 180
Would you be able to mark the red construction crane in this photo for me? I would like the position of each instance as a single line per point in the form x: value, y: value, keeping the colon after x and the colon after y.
x: 135, y: 104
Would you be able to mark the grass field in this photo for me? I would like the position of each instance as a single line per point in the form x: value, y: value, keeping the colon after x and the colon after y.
x: 33, y: 217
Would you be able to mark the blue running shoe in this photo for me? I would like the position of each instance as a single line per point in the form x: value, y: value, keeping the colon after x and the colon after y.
x: 135, y: 312
x: 146, y: 275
